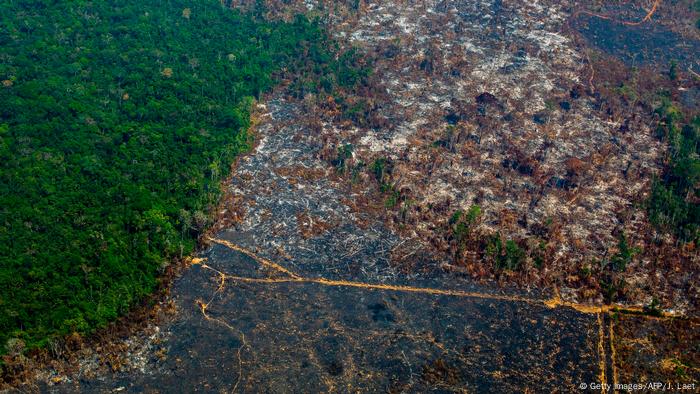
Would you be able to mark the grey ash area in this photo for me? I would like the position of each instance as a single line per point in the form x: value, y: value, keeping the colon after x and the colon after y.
x: 275, y: 206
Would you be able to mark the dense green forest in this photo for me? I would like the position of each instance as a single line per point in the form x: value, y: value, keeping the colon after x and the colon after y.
x: 117, y: 121
x: 673, y: 204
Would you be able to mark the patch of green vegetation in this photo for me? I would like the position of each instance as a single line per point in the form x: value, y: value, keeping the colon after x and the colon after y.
x: 473, y: 214
x: 462, y: 223
x: 653, y: 309
x: 117, y: 119
x: 358, y: 112
x: 393, y: 199
x: 672, y: 206
x: 673, y: 70
x: 506, y: 255
x: 624, y: 255
x: 379, y: 169
x: 681, y: 369
x: 344, y: 153
x: 327, y: 73
x: 612, y: 287
x: 627, y: 92
x: 586, y: 271
x: 550, y: 105
x: 611, y: 283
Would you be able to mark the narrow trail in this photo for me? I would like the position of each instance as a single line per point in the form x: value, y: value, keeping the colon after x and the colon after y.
x: 553, y: 302
x: 646, y: 18
x: 606, y: 356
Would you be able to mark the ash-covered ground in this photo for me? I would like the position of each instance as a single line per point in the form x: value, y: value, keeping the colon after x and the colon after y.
x: 334, y: 266
x: 494, y: 104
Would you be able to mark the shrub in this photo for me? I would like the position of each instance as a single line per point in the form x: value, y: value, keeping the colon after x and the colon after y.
x: 462, y: 224
x: 624, y: 254
x: 344, y: 153
x: 393, y: 199
x: 379, y: 169
x: 506, y: 256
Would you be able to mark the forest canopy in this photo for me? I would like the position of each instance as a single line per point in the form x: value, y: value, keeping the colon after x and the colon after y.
x: 117, y: 122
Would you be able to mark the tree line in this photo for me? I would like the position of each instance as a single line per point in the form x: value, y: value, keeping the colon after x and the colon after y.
x: 117, y: 122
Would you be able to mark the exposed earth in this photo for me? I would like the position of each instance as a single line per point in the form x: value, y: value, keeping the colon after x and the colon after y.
x: 325, y: 274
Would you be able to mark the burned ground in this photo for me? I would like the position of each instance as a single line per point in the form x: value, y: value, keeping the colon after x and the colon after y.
x: 519, y: 110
